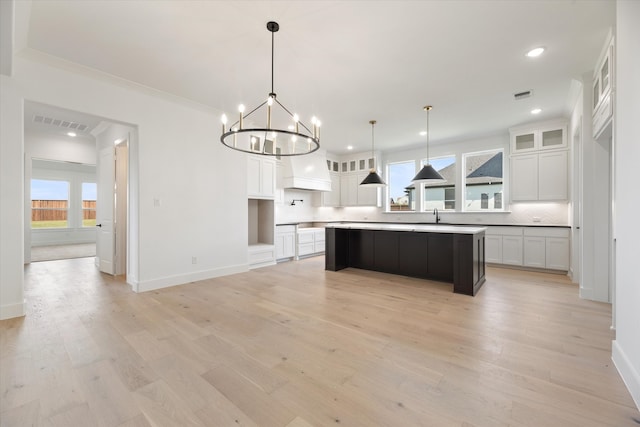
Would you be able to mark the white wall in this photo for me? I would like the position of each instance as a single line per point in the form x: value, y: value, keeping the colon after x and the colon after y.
x: 12, y: 200
x: 201, y: 185
x: 626, y: 347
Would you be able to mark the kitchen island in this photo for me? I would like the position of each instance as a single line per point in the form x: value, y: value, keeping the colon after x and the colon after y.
x: 439, y: 252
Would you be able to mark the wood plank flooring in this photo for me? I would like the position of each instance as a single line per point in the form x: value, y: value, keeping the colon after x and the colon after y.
x: 296, y: 346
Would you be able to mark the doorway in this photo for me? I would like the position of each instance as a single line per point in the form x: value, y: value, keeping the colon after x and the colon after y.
x: 51, y: 128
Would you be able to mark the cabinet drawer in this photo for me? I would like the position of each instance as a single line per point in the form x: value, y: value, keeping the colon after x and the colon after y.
x: 282, y: 229
x: 319, y: 236
x: 261, y: 255
x: 305, y: 248
x: 504, y: 231
x: 305, y: 237
x: 318, y: 246
x: 546, y: 232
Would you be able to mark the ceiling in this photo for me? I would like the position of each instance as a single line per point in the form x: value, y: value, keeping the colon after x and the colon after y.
x: 346, y: 62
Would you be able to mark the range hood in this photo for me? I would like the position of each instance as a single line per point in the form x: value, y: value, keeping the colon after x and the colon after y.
x: 308, y: 172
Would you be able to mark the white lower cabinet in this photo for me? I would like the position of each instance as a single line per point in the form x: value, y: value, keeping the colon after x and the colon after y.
x: 503, y: 245
x: 557, y: 253
x: 285, y: 241
x: 536, y: 247
x: 534, y: 252
x: 512, y: 250
x: 310, y: 241
x: 493, y: 249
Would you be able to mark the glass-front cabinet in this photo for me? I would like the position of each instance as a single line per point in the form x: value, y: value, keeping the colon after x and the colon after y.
x: 603, y: 89
x: 539, y: 136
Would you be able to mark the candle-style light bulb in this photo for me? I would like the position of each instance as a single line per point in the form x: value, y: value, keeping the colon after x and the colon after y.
x: 269, y: 104
x: 235, y: 136
x: 296, y: 120
x: 241, y: 111
x: 223, y: 119
x: 318, y: 123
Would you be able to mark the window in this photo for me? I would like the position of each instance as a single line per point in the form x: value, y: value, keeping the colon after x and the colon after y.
x: 441, y: 194
x: 89, y: 192
x: 484, y: 201
x: 49, y: 203
x: 497, y: 200
x: 482, y: 179
x: 401, y: 189
x: 450, y: 198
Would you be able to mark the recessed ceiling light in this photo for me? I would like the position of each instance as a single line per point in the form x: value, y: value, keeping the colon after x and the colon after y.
x: 349, y: 147
x: 536, y: 111
x: 535, y: 52
x: 423, y: 133
x: 71, y: 133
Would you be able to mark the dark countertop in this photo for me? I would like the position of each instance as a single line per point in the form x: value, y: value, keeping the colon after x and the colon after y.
x: 477, y: 224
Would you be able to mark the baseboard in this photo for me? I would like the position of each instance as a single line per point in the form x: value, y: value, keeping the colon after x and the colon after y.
x: 627, y: 371
x: 10, y: 311
x: 181, y: 279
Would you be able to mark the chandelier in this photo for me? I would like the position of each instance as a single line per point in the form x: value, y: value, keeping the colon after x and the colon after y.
x: 427, y: 173
x: 373, y: 179
x: 289, y: 137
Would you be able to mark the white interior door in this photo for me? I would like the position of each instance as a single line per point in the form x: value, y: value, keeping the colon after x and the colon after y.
x: 105, y: 239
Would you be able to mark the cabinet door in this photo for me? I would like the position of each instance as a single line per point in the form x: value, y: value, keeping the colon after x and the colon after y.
x: 254, y: 176
x: 552, y: 176
x: 367, y: 196
x: 268, y: 177
x: 332, y: 198
x: 557, y: 253
x: 280, y: 246
x: 261, y: 179
x: 524, y: 177
x: 493, y: 249
x: 523, y: 142
x: 534, y: 252
x: 349, y: 190
x: 511, y: 250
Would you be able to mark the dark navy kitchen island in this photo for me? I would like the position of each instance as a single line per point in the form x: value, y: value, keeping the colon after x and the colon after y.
x: 439, y: 252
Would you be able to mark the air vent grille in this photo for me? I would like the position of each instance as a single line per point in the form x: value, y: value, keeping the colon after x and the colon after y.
x: 60, y: 123
x: 522, y: 95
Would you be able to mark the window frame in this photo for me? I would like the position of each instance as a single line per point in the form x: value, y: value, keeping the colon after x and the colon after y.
x: 388, y: 188
x: 503, y: 182
x: 67, y: 210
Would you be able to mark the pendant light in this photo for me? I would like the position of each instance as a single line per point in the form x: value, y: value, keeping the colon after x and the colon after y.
x: 289, y: 137
x: 427, y: 173
x: 373, y: 179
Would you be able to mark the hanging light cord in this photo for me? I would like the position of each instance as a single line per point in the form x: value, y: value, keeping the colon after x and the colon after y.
x: 272, y: 60
x: 373, y: 123
x: 428, y: 108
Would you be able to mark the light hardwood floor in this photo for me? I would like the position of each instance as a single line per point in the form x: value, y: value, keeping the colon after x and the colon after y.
x: 296, y: 346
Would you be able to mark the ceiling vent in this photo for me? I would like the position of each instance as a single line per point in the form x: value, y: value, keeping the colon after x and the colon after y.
x: 60, y: 123
x: 522, y: 95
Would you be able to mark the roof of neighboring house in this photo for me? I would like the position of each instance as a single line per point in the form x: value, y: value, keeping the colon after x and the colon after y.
x: 483, y: 169
x: 490, y: 171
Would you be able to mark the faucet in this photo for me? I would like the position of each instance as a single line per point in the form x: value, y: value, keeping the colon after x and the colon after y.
x: 435, y: 212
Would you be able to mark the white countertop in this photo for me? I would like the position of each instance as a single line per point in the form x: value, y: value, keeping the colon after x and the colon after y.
x: 409, y: 227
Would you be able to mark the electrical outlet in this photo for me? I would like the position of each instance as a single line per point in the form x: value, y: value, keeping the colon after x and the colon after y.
x: 536, y: 219
x: 156, y: 203
x: 194, y: 260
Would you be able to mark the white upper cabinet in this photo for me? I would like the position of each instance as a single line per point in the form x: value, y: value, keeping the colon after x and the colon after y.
x: 540, y: 136
x: 261, y: 179
x: 346, y: 174
x: 539, y: 162
x: 603, y: 89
